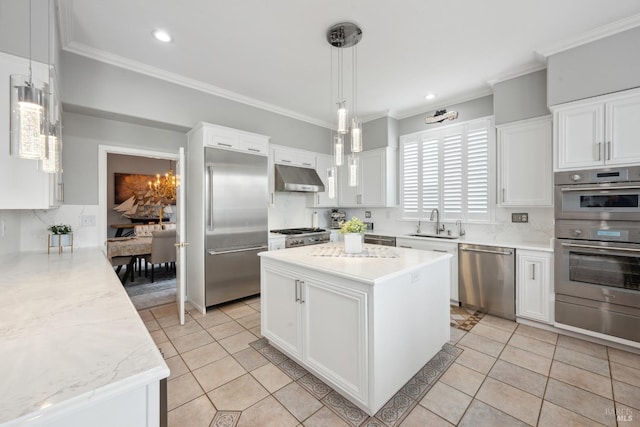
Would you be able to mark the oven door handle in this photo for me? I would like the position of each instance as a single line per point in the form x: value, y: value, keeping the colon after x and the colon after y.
x: 613, y: 248
x: 626, y: 187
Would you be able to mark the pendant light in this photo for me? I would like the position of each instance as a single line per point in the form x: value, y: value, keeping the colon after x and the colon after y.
x: 356, y: 127
x: 29, y: 99
x: 52, y: 124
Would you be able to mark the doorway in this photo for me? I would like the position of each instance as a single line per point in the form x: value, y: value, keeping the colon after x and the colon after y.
x: 143, y: 292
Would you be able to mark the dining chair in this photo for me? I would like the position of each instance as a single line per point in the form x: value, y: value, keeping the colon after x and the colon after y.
x: 163, y: 249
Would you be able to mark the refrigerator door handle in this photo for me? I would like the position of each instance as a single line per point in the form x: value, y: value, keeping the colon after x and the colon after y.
x: 210, y: 196
x: 256, y: 248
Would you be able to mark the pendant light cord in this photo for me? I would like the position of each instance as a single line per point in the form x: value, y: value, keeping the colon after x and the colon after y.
x: 355, y: 81
x: 30, y: 71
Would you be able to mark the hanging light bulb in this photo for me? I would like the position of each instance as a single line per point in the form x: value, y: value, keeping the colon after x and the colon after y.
x: 331, y: 182
x: 356, y: 135
x: 338, y: 150
x: 353, y: 170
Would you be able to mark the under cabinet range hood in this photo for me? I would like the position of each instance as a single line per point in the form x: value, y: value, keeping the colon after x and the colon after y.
x: 293, y: 178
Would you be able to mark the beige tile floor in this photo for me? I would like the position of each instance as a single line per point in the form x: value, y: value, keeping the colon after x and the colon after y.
x: 507, y: 374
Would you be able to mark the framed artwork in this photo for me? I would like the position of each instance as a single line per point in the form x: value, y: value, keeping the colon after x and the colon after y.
x: 130, y: 184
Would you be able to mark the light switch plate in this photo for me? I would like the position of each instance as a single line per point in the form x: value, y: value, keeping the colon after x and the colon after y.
x: 367, y: 214
x: 520, y: 217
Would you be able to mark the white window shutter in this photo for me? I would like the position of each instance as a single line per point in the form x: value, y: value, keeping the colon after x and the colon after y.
x: 430, y: 168
x: 410, y: 178
x: 452, y: 175
x: 478, y: 172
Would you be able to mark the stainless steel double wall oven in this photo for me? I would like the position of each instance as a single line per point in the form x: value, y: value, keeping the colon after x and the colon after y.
x: 597, y: 251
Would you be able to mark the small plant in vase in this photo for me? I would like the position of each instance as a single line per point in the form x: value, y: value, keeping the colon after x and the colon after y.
x: 353, y: 231
x: 61, y: 235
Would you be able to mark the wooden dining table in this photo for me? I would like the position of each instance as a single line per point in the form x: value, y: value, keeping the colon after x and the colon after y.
x: 133, y: 247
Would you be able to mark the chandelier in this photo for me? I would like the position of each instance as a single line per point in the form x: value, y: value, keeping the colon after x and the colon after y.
x: 163, y: 189
x: 345, y: 35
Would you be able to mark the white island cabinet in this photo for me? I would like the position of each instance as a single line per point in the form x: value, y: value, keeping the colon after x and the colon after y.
x: 73, y: 350
x: 350, y: 320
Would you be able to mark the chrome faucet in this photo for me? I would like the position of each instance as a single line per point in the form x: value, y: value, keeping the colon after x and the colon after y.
x: 418, y: 230
x: 461, y: 232
x: 439, y: 227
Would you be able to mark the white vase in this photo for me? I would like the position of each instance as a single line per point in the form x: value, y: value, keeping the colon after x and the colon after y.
x: 353, y: 243
x: 60, y: 240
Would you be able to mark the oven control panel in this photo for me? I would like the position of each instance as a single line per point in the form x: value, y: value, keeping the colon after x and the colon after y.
x: 613, y: 231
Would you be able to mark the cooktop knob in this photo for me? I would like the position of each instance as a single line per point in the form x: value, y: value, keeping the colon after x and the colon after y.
x: 577, y: 232
x: 575, y: 177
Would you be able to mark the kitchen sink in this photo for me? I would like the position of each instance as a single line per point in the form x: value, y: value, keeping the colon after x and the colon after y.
x: 435, y: 236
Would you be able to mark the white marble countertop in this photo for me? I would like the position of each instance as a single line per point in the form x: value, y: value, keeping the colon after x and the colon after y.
x: 366, y: 270
x: 69, y: 335
x: 479, y: 240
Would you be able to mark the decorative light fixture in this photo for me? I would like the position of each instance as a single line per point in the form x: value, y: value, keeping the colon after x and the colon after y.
x: 440, y: 116
x: 430, y: 96
x: 52, y: 129
x: 164, y: 188
x: 53, y: 162
x: 28, y: 101
x: 345, y: 35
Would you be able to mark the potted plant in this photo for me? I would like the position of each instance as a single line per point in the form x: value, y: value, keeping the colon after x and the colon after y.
x: 353, y: 231
x: 61, y: 235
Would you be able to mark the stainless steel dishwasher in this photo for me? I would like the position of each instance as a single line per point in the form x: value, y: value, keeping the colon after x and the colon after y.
x: 487, y: 279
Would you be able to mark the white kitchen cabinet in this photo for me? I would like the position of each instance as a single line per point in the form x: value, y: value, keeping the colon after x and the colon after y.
x: 276, y: 243
x: 295, y: 319
x: 437, y: 246
x: 233, y: 139
x: 321, y: 199
x: 534, y: 288
x: 26, y: 185
x: 598, y: 132
x: 525, y: 174
x: 294, y: 157
x: 376, y: 180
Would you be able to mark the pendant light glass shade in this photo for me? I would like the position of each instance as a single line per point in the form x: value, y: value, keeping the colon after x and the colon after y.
x: 53, y: 162
x: 331, y: 182
x: 356, y: 135
x: 353, y: 170
x: 338, y: 150
x: 28, y: 101
x: 342, y: 118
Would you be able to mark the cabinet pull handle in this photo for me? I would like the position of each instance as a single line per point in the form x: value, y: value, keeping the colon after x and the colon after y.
x: 297, y: 284
x: 285, y: 161
x: 608, y: 150
x: 306, y: 164
x: 408, y: 247
x: 599, y: 151
x: 223, y: 144
x: 301, y: 292
x: 503, y: 195
x: 318, y: 198
x: 439, y: 250
x: 533, y: 272
x: 255, y: 150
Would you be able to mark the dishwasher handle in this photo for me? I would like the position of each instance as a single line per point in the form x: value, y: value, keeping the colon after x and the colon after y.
x: 487, y: 251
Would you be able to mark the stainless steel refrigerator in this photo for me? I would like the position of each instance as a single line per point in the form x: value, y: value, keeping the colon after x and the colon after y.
x: 236, y: 224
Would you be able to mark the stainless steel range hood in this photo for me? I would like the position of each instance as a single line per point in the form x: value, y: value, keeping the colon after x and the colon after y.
x: 293, y: 178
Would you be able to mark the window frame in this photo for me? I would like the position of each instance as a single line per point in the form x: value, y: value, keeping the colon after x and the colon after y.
x: 419, y: 138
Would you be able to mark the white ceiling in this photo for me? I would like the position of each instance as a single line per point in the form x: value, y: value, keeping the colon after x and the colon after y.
x: 274, y: 53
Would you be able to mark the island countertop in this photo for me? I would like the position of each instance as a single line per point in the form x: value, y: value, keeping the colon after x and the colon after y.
x: 69, y: 335
x: 363, y: 269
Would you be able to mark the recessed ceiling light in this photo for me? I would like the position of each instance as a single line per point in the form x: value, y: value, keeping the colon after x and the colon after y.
x: 430, y: 96
x: 162, y: 36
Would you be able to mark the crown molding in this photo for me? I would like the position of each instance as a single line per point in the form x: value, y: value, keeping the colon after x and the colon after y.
x: 443, y: 103
x: 138, y: 67
x: 516, y: 72
x: 589, y: 36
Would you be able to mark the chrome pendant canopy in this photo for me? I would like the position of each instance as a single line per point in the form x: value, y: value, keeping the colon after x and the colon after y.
x: 344, y: 34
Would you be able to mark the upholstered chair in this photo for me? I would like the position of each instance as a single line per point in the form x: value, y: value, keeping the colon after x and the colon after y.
x: 163, y: 249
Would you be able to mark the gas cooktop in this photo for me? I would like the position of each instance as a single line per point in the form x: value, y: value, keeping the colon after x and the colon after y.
x: 289, y: 231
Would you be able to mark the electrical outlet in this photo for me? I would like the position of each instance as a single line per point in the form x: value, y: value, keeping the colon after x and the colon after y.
x: 367, y: 214
x: 520, y: 217
x: 88, y: 220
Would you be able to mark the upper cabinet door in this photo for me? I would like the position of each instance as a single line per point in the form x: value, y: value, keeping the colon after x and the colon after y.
x: 525, y: 172
x: 623, y: 130
x: 580, y: 136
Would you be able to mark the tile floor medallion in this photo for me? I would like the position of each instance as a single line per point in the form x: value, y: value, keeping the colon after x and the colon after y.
x: 392, y: 413
x: 464, y: 318
x: 493, y: 373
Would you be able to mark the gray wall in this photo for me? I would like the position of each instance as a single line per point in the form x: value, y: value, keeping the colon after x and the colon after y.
x: 473, y: 109
x: 82, y: 135
x: 94, y: 85
x: 520, y: 98
x: 608, y: 65
x: 375, y: 134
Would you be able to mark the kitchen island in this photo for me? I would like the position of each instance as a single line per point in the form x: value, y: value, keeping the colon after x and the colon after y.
x: 73, y: 349
x: 364, y: 325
